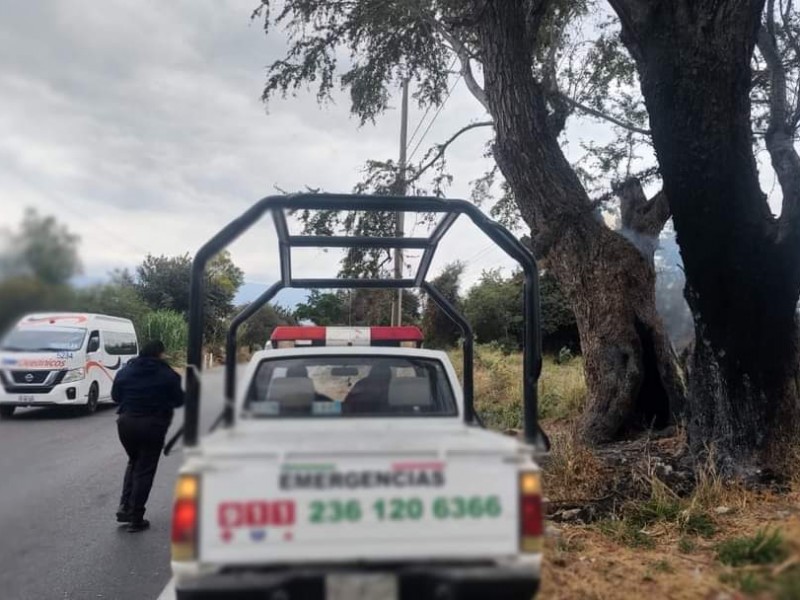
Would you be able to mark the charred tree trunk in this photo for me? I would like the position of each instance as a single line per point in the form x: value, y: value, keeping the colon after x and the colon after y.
x: 742, y: 264
x: 631, y: 375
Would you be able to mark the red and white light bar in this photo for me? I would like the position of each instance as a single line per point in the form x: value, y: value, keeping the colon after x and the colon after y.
x: 290, y: 337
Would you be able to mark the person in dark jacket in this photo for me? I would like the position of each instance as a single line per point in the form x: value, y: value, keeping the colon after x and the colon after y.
x: 147, y: 391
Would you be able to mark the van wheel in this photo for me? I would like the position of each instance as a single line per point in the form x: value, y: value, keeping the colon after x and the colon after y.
x: 91, y: 401
x: 6, y: 411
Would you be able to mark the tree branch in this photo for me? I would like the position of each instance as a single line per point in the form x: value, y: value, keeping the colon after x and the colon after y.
x: 641, y: 176
x: 646, y: 217
x: 642, y: 219
x: 601, y: 115
x: 464, y: 58
x: 768, y: 46
x: 557, y: 120
x: 442, y: 148
x: 795, y: 44
x: 780, y: 132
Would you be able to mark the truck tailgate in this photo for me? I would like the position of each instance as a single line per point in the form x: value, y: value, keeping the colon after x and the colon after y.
x: 353, y: 507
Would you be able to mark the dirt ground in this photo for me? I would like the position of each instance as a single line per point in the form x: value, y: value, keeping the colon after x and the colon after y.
x: 583, y: 562
x: 595, y: 552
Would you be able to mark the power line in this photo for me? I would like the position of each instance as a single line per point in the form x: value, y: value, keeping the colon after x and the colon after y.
x: 433, y: 120
x: 427, y: 110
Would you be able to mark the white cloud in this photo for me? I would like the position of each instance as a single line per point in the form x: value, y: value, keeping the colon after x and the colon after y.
x: 141, y: 126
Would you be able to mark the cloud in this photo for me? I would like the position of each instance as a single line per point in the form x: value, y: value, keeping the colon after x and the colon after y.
x: 141, y: 127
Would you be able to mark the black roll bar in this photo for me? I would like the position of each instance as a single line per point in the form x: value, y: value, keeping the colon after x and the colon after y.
x: 468, y: 349
x: 277, y: 205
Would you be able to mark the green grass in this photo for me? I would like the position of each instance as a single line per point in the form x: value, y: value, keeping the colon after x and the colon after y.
x: 626, y: 533
x: 498, y: 387
x: 763, y: 548
x: 687, y: 545
x: 689, y: 520
x: 637, y: 517
x: 747, y: 582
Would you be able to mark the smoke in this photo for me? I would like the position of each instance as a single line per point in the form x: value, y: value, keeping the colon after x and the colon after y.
x: 646, y: 244
x: 670, y: 282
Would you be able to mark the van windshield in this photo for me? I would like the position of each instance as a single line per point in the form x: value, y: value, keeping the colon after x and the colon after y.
x: 345, y: 386
x: 52, y: 339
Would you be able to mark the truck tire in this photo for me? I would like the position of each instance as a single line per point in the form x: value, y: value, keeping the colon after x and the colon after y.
x: 92, y: 399
x: 6, y: 411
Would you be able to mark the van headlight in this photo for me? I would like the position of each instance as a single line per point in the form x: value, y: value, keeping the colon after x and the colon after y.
x: 74, y: 375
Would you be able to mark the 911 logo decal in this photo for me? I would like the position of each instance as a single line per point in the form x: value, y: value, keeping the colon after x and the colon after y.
x: 254, y: 515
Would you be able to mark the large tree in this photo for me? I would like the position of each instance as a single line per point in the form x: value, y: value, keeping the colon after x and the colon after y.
x: 42, y: 248
x: 163, y: 282
x: 742, y: 262
x: 257, y: 330
x: 632, y: 378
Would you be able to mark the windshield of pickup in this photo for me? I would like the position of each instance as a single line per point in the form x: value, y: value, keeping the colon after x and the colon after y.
x: 350, y: 386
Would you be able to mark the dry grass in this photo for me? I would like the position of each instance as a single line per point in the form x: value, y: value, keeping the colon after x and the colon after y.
x: 572, y: 473
x: 649, y: 540
x: 668, y: 547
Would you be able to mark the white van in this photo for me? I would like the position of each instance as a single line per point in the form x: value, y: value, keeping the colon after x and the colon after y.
x: 67, y: 359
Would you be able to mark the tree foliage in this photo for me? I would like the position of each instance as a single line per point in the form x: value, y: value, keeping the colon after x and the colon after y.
x: 163, y: 283
x: 24, y: 294
x: 257, y: 329
x: 579, y: 59
x: 440, y: 331
x: 114, y: 298
x: 360, y: 307
x: 494, y: 307
x: 42, y: 249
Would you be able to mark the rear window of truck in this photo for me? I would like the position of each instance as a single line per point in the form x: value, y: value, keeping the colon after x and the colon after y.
x: 350, y: 386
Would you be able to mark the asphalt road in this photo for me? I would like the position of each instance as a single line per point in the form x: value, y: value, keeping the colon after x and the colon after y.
x: 60, y: 479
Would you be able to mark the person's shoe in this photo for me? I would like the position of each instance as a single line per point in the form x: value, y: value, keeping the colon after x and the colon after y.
x: 124, y: 515
x: 136, y: 526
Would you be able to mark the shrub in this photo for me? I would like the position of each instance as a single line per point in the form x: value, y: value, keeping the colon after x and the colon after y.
x: 763, y: 548
x: 169, y: 327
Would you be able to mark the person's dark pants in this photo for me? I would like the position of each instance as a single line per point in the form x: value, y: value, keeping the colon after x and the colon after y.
x: 142, y: 436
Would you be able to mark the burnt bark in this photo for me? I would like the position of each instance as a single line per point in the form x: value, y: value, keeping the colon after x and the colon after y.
x: 631, y: 375
x: 742, y: 264
x: 642, y: 220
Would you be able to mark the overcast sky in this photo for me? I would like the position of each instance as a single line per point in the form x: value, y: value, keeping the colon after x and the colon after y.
x: 140, y: 126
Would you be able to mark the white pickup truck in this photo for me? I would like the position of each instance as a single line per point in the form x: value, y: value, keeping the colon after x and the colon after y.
x: 351, y: 468
x: 352, y: 463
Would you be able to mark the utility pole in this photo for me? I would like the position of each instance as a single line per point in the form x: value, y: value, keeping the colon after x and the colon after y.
x: 397, y: 318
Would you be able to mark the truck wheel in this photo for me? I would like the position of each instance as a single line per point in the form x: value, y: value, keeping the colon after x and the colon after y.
x: 91, y: 401
x: 6, y: 411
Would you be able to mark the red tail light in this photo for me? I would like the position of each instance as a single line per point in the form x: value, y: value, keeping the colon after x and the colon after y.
x: 531, y: 518
x: 184, y: 518
x: 184, y: 521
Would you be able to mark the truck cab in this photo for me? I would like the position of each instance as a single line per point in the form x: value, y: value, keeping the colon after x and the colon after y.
x: 352, y: 464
